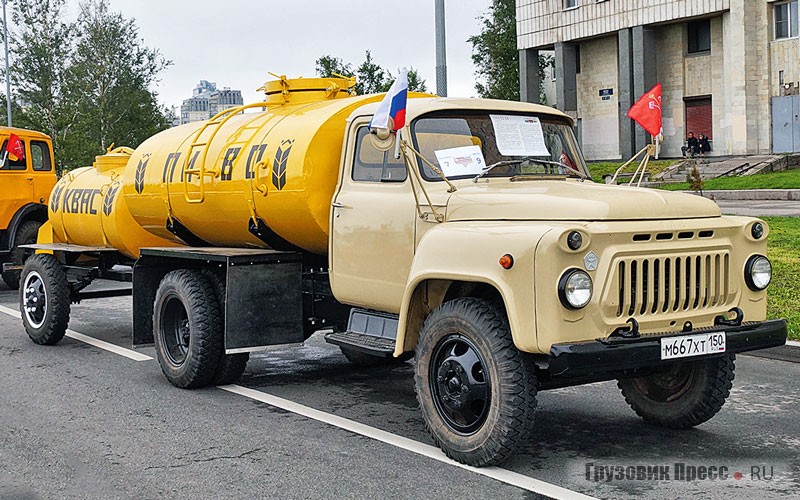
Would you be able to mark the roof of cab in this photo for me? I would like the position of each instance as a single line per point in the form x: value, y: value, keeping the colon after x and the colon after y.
x: 421, y: 104
x: 23, y: 133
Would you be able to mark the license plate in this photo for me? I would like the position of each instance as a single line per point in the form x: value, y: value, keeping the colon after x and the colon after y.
x: 692, y: 345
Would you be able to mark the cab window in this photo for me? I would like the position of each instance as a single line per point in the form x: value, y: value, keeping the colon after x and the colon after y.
x: 40, y: 156
x: 373, y: 165
x: 19, y: 164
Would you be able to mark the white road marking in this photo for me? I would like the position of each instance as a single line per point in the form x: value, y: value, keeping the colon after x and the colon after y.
x: 106, y: 346
x: 793, y: 343
x: 503, y: 475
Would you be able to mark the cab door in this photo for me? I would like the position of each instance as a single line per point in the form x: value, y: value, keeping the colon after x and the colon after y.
x: 16, y: 184
x: 44, y: 176
x: 372, y: 227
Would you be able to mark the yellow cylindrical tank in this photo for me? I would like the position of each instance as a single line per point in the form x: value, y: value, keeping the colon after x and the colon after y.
x: 259, y: 179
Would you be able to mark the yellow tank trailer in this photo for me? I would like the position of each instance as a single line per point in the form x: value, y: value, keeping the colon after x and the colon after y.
x: 482, y: 248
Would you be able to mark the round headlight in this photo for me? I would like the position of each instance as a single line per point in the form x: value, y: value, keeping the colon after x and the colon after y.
x: 757, y: 230
x: 574, y: 240
x: 575, y: 289
x: 758, y: 272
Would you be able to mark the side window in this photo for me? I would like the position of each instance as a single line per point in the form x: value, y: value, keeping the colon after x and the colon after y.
x: 40, y: 156
x: 373, y: 165
x: 19, y: 164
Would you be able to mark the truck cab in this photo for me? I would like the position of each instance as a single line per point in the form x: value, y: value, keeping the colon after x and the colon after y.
x: 25, y: 185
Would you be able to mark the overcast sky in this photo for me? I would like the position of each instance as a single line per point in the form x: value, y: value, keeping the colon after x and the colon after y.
x: 235, y: 43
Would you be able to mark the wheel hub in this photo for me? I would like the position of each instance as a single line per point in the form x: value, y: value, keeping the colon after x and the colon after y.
x: 34, y: 300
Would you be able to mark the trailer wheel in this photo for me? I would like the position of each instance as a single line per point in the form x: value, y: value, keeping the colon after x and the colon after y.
x: 26, y: 234
x: 477, y: 392
x: 44, y: 299
x: 364, y: 360
x: 187, y: 329
x: 682, y: 395
x: 231, y: 366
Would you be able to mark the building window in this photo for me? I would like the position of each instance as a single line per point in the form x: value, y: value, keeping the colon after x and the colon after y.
x: 699, y: 36
x: 571, y: 4
x: 785, y: 19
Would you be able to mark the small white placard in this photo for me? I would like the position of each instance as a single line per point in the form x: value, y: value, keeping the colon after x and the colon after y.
x: 519, y: 135
x: 464, y: 160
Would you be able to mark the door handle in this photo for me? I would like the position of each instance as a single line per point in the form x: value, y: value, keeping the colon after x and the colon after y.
x: 336, y: 204
x: 29, y: 178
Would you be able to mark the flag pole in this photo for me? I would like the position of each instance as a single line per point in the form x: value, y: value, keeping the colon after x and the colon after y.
x: 8, y: 76
x: 397, y: 145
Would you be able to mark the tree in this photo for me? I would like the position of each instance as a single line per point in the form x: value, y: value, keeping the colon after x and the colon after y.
x: 370, y: 76
x: 42, y: 46
x: 495, y: 54
x: 114, y: 73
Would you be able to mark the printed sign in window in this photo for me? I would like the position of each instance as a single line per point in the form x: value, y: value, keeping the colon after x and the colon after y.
x: 464, y: 160
x: 519, y: 135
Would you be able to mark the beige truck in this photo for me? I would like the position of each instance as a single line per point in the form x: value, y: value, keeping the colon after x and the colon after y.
x: 482, y: 248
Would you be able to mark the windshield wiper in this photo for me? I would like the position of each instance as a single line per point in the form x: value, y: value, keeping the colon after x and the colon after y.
x: 501, y: 163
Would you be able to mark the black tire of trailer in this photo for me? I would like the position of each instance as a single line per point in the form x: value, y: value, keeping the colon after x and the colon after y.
x: 364, y: 360
x: 26, y: 234
x: 231, y: 366
x: 187, y: 329
x: 682, y: 395
x: 44, y: 278
x: 476, y: 326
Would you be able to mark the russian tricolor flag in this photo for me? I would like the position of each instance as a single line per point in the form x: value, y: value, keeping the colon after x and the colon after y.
x: 393, y: 106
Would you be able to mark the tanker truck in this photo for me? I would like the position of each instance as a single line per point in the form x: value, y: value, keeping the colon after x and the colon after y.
x: 473, y: 240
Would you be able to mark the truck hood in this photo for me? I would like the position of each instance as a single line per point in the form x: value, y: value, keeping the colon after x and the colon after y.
x: 571, y: 200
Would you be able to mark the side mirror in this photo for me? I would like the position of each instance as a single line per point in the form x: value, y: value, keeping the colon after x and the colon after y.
x: 382, y: 139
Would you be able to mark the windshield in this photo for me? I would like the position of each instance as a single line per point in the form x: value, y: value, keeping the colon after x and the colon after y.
x: 463, y: 144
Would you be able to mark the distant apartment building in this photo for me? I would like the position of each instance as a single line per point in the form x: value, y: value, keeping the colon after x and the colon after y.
x: 730, y: 69
x: 207, y: 100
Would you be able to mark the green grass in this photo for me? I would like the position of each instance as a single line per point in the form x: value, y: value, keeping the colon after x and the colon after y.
x: 783, y: 294
x: 788, y: 179
x: 599, y: 169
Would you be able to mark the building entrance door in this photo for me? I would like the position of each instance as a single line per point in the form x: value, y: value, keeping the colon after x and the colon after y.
x: 786, y: 124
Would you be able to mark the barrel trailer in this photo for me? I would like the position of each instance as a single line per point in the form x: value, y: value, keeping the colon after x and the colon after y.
x: 473, y: 241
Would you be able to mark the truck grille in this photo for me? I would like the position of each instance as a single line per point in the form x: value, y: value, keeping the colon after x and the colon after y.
x: 670, y: 284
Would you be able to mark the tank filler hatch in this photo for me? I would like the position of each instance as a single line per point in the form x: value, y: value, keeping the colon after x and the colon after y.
x: 114, y: 158
x: 302, y: 90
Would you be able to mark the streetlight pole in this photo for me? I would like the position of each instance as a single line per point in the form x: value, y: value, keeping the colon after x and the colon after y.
x: 441, y: 53
x: 8, y: 75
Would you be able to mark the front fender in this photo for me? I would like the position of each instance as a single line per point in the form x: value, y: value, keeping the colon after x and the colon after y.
x: 469, y: 252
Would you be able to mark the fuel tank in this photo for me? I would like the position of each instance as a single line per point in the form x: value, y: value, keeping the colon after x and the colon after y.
x: 240, y: 179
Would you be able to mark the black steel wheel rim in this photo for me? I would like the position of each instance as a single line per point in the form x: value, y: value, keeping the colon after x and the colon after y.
x: 669, y: 384
x: 459, y: 383
x: 34, y: 299
x: 175, y: 330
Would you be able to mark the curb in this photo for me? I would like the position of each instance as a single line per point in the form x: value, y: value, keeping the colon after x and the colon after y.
x: 789, y: 352
x: 752, y: 194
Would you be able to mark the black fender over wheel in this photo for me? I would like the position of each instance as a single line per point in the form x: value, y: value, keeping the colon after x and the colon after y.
x: 682, y: 395
x: 44, y: 299
x: 231, y: 366
x: 187, y: 329
x: 477, y: 392
x: 26, y: 234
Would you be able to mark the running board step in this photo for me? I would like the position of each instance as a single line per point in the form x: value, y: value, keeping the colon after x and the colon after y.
x: 369, y: 344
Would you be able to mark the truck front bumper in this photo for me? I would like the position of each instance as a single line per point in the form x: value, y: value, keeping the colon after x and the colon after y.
x: 604, y: 359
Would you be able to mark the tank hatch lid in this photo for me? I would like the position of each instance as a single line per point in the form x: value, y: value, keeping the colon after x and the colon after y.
x: 303, y: 90
x: 114, y: 158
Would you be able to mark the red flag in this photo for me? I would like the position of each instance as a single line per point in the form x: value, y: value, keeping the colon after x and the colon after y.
x: 15, y: 148
x: 647, y: 110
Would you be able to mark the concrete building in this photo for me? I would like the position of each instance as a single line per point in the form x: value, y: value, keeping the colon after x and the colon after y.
x: 207, y: 101
x: 729, y: 69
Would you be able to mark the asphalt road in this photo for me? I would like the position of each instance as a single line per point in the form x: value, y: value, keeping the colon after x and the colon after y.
x: 77, y: 421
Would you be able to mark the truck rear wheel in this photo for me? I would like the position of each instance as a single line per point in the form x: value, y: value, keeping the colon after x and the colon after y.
x: 477, y: 392
x: 231, y: 366
x: 44, y: 299
x: 682, y: 395
x: 26, y: 234
x: 187, y: 329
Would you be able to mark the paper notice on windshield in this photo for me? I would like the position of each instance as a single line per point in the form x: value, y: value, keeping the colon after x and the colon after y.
x: 519, y: 135
x: 465, y: 160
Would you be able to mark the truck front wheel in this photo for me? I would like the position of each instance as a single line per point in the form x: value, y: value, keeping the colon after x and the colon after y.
x: 477, y: 392
x: 682, y: 395
x: 26, y: 234
x: 186, y: 323
x: 44, y: 299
